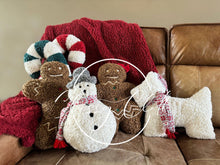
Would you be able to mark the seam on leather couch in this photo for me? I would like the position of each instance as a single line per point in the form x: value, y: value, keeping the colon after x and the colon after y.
x: 201, y: 160
x: 181, y: 151
x: 146, y: 152
x: 193, y: 24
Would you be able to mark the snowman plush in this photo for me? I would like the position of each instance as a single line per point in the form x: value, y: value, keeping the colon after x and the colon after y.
x: 86, y: 123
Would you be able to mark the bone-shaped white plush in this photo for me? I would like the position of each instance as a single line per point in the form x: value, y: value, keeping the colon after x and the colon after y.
x: 193, y: 113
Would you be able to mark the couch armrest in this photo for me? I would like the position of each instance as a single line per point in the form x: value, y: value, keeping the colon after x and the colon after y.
x: 11, y: 150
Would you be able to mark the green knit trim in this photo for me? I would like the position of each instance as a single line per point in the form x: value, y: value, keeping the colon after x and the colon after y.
x: 57, y: 57
x: 28, y: 57
x: 35, y: 75
x: 39, y: 47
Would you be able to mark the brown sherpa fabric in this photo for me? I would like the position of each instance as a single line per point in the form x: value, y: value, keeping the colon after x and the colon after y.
x: 115, y: 92
x: 45, y: 91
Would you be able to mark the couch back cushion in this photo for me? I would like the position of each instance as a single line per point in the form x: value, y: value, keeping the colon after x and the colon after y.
x: 156, y: 39
x: 195, y: 62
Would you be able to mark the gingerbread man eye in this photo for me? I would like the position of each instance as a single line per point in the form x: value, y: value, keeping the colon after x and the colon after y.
x: 107, y: 70
x: 117, y: 70
x: 49, y: 69
x: 60, y: 68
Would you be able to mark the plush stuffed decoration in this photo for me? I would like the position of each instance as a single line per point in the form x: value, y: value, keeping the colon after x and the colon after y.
x: 53, y: 51
x: 115, y: 92
x: 48, y: 91
x: 38, y: 51
x: 163, y: 112
x: 86, y: 123
x: 45, y: 91
x: 75, y: 47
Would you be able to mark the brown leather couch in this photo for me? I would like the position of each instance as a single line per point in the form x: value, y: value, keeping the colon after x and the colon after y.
x: 189, y: 58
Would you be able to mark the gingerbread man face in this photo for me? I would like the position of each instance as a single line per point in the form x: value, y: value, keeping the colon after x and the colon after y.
x: 111, y: 72
x: 54, y: 71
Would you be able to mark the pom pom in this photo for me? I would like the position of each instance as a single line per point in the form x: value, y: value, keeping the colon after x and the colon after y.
x: 59, y: 144
x: 170, y: 135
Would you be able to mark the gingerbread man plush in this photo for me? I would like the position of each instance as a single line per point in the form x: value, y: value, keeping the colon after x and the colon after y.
x: 115, y: 92
x: 47, y: 91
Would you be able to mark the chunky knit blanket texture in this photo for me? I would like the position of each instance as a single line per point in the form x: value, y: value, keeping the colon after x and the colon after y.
x: 19, y: 117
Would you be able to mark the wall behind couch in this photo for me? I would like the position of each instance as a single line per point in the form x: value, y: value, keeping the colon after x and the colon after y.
x: 23, y: 22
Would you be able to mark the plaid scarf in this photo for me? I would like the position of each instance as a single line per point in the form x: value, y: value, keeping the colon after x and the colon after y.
x: 59, y: 142
x: 165, y: 113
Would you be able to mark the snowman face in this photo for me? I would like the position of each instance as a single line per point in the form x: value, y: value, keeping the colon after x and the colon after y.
x: 82, y: 90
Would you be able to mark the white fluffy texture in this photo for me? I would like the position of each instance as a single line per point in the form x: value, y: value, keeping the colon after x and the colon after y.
x: 32, y: 51
x: 147, y: 90
x: 50, y: 49
x: 71, y: 40
x: 193, y: 113
x: 58, y: 45
x: 77, y: 56
x: 79, y: 129
x: 32, y: 66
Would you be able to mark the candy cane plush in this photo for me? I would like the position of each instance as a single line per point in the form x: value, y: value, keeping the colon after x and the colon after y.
x: 38, y: 51
x: 76, y: 48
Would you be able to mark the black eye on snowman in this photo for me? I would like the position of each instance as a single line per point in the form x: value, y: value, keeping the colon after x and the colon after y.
x: 87, y: 85
x: 80, y: 86
x: 91, y: 114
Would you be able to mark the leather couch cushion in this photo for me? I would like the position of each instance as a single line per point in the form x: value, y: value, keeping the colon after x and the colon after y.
x: 156, y: 40
x: 195, y: 45
x: 197, y: 152
x: 10, y: 150
x: 161, y: 70
x: 141, y: 150
x: 187, y: 80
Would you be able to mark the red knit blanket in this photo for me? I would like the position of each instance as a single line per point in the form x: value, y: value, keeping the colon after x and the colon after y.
x: 103, y: 39
x: 19, y: 117
x: 109, y: 39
